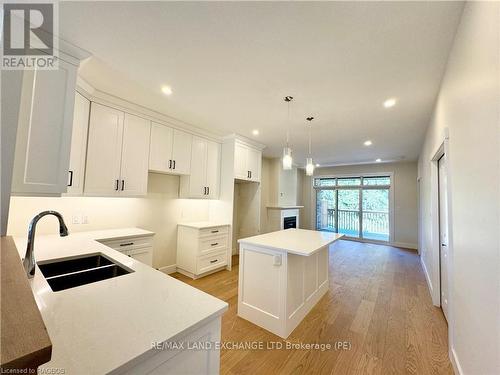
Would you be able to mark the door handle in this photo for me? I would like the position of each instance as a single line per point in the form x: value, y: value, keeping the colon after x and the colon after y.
x: 126, y: 244
x: 213, y: 261
x: 208, y: 190
x: 70, y: 178
x: 117, y: 185
x: 443, y: 244
x: 204, y: 190
x: 170, y: 164
x: 174, y: 165
x: 250, y: 174
x: 214, y: 244
x: 123, y: 185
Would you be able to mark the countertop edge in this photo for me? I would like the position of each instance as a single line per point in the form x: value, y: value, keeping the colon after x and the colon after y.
x: 34, y: 346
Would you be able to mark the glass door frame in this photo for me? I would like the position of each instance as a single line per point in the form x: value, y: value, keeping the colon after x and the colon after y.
x: 360, y: 187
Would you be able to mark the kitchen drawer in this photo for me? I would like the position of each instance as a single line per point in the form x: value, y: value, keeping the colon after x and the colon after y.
x: 213, y: 231
x: 211, y: 262
x: 212, y: 243
x: 129, y: 243
x: 143, y: 254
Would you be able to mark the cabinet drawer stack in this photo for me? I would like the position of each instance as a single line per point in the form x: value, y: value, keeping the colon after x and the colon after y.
x: 201, y: 248
x: 139, y: 248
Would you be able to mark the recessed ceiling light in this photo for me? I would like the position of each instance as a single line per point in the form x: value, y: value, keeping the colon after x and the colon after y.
x: 255, y: 132
x: 378, y: 160
x: 166, y: 90
x: 317, y: 165
x: 391, y: 102
x: 367, y: 143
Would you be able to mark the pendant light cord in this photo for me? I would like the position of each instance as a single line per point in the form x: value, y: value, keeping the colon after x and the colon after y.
x: 288, y: 99
x: 310, y: 124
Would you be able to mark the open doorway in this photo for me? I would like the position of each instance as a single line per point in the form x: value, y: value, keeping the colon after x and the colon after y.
x: 443, y: 234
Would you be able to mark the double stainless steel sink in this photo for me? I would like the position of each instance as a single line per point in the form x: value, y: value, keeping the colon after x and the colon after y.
x: 72, y: 272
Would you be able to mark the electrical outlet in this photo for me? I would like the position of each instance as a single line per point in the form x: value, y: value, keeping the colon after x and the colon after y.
x: 85, y: 219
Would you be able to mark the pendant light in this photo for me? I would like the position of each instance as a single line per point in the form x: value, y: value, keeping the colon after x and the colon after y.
x: 287, y: 151
x: 309, y: 160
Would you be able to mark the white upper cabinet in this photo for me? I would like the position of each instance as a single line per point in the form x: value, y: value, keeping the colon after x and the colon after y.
x: 160, y: 148
x: 170, y: 150
x: 135, y: 155
x: 213, y: 169
x: 181, y: 152
x: 203, y: 182
x: 240, y: 161
x: 44, y: 131
x: 117, y: 153
x: 247, y: 162
x: 76, y: 171
x: 102, y: 172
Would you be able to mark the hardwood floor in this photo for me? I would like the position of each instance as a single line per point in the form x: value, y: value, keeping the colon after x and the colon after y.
x: 378, y: 302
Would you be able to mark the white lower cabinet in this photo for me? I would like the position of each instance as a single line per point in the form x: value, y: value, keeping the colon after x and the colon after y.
x: 203, y: 181
x: 44, y: 131
x: 196, y: 353
x: 138, y: 248
x: 201, y: 249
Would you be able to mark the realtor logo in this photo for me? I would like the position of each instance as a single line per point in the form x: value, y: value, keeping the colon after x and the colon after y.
x: 28, y: 36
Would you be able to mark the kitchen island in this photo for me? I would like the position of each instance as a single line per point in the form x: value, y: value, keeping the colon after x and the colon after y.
x: 135, y: 323
x: 282, y: 276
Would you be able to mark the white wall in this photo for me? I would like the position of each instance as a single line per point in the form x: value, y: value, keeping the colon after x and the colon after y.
x: 404, y: 190
x: 468, y: 106
x: 159, y: 211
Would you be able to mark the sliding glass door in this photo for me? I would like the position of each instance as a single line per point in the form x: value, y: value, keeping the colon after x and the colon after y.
x: 358, y: 207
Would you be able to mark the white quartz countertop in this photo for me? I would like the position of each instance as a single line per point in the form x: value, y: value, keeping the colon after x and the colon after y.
x: 98, y: 327
x: 203, y: 224
x: 284, y: 207
x: 293, y: 241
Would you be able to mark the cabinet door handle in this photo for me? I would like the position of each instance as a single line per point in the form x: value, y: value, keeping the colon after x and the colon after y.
x: 208, y: 190
x: 126, y: 244
x: 123, y: 185
x: 170, y: 164
x: 174, y: 165
x: 213, y: 261
x: 214, y: 244
x: 117, y: 185
x: 250, y: 174
x: 215, y: 231
x: 70, y: 178
x: 204, y: 190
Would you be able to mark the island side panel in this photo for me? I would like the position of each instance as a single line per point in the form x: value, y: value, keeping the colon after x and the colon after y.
x: 307, y: 280
x: 262, y: 287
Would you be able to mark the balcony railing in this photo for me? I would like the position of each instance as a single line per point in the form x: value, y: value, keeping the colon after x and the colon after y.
x: 375, y: 223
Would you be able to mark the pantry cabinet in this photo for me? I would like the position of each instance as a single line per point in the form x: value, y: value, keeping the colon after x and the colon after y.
x: 203, y: 181
x: 44, y: 128
x: 117, y: 153
x: 78, y: 153
x: 170, y: 150
x: 247, y: 162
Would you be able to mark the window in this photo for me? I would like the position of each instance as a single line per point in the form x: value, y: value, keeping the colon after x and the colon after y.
x: 357, y: 206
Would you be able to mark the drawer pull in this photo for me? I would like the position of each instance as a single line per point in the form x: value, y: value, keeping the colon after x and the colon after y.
x: 214, y: 244
x: 126, y: 244
x: 215, y: 231
x: 214, y: 261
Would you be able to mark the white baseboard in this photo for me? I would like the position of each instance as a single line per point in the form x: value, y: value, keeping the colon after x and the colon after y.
x: 168, y: 269
x: 455, y: 363
x: 429, y: 283
x: 405, y: 245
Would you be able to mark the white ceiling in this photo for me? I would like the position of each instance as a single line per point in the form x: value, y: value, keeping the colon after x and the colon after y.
x: 231, y: 64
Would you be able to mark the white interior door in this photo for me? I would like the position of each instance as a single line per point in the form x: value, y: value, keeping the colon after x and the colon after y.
x: 443, y: 234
